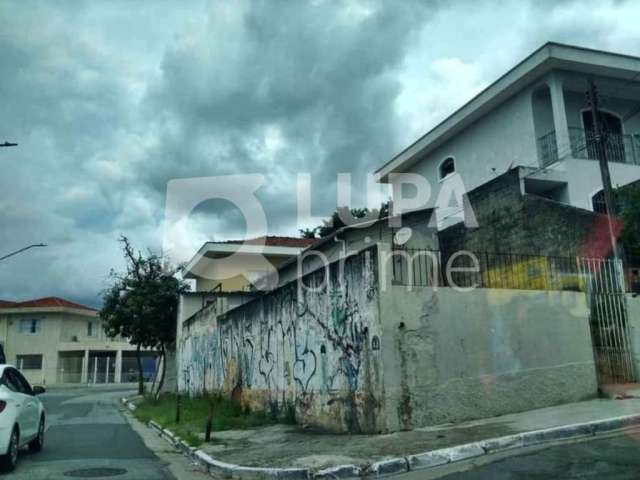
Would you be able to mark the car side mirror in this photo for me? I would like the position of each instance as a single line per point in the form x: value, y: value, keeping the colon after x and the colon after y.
x: 38, y: 390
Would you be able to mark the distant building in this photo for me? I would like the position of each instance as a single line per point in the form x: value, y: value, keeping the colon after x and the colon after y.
x: 231, y: 283
x: 55, y: 341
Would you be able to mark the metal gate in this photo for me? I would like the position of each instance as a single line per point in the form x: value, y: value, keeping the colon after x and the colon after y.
x: 605, y: 290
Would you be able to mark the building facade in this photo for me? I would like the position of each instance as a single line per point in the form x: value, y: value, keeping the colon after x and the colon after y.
x: 372, y: 341
x: 228, y: 274
x: 536, y: 116
x: 55, y: 341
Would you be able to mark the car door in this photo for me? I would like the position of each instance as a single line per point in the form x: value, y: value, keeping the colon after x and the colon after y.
x: 16, y: 397
x: 28, y: 416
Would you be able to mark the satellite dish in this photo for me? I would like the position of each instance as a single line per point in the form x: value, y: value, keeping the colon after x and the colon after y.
x: 402, y: 236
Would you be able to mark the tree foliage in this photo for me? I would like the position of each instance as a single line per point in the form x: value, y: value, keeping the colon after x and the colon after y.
x: 142, y: 303
x: 344, y: 216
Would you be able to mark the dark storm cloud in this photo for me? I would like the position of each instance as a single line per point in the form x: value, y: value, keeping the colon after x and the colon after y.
x: 111, y: 100
x: 316, y: 77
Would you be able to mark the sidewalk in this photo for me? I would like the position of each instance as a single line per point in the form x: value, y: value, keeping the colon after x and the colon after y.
x: 284, y: 446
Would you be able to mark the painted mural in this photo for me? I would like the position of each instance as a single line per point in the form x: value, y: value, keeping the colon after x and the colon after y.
x: 310, y: 346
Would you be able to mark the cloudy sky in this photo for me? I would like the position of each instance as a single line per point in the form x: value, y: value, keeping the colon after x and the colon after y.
x: 109, y: 101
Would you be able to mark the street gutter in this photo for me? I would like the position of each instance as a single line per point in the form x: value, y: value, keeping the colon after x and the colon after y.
x: 405, y: 464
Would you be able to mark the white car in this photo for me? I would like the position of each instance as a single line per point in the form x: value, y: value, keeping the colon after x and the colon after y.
x: 22, y: 416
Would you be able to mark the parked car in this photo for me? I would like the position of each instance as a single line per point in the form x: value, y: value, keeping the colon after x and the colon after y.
x: 22, y: 416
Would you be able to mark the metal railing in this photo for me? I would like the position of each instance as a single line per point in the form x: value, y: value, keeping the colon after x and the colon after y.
x: 620, y: 148
x: 548, y: 148
x: 420, y: 267
x: 428, y: 268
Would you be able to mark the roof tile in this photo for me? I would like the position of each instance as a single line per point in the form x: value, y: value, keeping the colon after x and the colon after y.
x: 47, y: 302
x: 276, y: 241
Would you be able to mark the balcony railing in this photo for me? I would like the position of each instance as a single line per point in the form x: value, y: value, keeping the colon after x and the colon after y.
x: 619, y: 148
x: 548, y: 148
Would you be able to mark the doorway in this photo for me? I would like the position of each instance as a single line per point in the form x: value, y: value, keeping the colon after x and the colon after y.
x: 102, y: 367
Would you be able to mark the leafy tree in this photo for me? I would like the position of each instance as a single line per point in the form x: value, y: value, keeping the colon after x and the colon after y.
x: 308, y: 232
x: 344, y: 216
x: 142, y: 304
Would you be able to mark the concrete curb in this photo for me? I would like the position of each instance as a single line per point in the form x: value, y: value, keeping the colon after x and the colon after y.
x: 399, y: 465
x: 130, y: 405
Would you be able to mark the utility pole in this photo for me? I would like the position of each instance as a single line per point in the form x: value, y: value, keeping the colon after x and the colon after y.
x: 601, y: 152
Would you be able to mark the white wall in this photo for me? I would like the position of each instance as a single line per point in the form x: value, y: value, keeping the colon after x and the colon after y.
x: 507, y: 136
x: 584, y: 179
x: 633, y: 312
x: 501, y: 138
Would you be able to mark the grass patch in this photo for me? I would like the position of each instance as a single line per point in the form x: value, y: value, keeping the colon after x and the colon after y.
x: 227, y: 415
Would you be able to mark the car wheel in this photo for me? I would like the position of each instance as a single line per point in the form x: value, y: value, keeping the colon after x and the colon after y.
x: 37, y: 443
x: 9, y: 460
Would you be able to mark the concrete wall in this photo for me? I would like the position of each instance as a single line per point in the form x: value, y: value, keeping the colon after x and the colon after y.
x: 512, y: 222
x: 370, y: 356
x: 312, y: 352
x: 451, y: 356
x: 633, y: 312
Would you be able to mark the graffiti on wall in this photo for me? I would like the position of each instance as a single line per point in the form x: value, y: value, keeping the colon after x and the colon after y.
x: 306, y: 347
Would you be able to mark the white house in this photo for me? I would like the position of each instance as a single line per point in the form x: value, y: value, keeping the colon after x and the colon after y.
x: 536, y: 115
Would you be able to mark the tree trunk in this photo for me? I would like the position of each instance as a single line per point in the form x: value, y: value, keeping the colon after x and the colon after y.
x: 140, y: 373
x: 163, y: 353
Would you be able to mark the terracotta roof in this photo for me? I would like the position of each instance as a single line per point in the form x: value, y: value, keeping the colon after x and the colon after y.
x: 276, y: 241
x: 47, y: 302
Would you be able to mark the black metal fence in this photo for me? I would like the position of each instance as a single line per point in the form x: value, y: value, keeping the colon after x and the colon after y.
x: 548, y: 148
x: 620, y: 148
x: 428, y: 268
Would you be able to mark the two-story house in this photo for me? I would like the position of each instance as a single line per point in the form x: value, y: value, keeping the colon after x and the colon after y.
x: 536, y: 116
x: 55, y: 341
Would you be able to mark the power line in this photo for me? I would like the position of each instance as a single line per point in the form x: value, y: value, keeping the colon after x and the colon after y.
x: 37, y: 245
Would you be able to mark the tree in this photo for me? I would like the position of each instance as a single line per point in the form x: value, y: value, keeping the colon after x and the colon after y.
x: 344, y: 216
x: 308, y: 232
x: 142, y: 306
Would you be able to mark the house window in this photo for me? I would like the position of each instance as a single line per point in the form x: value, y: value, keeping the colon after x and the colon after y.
x: 447, y: 167
x: 29, y: 362
x: 30, y: 326
x: 90, y: 329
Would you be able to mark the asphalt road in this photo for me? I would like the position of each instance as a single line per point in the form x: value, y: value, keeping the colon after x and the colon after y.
x: 615, y: 458
x: 87, y: 431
